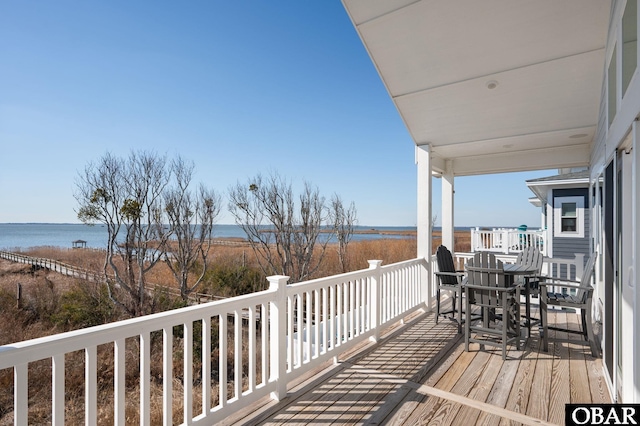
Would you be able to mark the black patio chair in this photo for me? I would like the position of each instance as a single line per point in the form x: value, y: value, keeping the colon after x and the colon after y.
x: 451, y: 280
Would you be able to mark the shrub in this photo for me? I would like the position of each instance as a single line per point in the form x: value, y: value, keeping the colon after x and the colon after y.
x: 85, y: 305
x: 233, y: 280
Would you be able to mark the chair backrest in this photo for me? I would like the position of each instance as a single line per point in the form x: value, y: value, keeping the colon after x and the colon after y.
x: 587, y: 273
x: 486, y: 271
x: 589, y: 269
x: 445, y: 264
x: 531, y: 256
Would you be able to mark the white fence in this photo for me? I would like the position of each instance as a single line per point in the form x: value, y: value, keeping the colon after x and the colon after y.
x: 290, y: 330
x: 507, y: 240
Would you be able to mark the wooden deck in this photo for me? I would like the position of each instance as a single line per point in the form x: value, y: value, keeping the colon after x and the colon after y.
x: 420, y: 374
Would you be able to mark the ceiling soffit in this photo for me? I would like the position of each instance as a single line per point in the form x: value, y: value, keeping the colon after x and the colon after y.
x: 438, y: 58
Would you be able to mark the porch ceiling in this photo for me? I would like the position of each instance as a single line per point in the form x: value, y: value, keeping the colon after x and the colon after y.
x: 439, y: 58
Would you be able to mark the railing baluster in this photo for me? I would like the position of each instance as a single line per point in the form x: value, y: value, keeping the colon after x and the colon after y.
x: 222, y: 360
x: 352, y: 296
x: 21, y: 394
x: 187, y: 364
x: 145, y: 378
x: 300, y: 327
x: 237, y: 355
x: 339, y: 326
x: 91, y: 385
x: 252, y: 348
x: 332, y: 317
x: 119, y: 382
x: 206, y: 365
x: 167, y: 375
x: 307, y: 328
x: 316, y: 306
x: 264, y: 315
x: 289, y: 336
x: 57, y: 389
x: 345, y: 312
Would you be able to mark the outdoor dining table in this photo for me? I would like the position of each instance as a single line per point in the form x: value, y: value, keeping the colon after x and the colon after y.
x: 512, y: 270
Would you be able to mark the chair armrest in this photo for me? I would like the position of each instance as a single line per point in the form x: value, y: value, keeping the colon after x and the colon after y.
x: 555, y: 279
x: 511, y: 289
x: 587, y: 287
x: 451, y: 274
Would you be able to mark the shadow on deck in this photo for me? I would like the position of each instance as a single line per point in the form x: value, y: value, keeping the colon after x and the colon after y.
x: 420, y: 374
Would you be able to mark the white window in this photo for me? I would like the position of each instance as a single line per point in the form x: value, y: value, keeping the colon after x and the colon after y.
x: 569, y: 217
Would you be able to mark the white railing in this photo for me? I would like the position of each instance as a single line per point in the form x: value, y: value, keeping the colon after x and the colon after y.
x: 507, y: 240
x: 289, y: 330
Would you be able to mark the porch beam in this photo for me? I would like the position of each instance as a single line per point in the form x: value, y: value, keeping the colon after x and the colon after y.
x: 447, y: 207
x: 424, y: 231
x: 548, y: 158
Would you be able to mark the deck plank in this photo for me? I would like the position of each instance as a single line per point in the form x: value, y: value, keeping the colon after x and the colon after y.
x: 559, y: 394
x: 448, y: 411
x: 521, y: 388
x: 426, y: 411
x: 538, y: 405
x: 413, y: 399
x: 579, y: 376
x: 481, y: 392
x: 501, y: 389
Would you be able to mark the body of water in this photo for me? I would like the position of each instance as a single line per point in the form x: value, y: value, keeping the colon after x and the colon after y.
x: 25, y: 235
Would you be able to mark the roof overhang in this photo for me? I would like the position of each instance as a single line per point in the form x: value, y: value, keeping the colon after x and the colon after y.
x: 494, y: 86
x: 540, y: 187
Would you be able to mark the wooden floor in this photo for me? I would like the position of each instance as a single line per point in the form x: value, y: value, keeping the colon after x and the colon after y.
x: 420, y: 374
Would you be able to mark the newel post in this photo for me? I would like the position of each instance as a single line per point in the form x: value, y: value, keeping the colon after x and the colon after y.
x: 376, y: 299
x: 278, y: 335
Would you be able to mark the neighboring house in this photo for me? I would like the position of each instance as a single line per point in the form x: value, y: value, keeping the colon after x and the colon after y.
x: 565, y: 214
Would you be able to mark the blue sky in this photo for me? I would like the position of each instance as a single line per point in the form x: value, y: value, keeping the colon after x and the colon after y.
x: 240, y: 88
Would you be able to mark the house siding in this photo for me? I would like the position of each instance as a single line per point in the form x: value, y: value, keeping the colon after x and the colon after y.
x: 567, y: 248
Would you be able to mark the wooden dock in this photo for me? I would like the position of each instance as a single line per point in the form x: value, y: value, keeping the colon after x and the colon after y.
x: 420, y: 374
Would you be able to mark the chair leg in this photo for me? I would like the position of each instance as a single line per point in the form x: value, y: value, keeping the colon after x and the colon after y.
x: 505, y: 325
x: 459, y: 312
x: 437, y: 305
x: 467, y: 326
x: 543, y: 323
x: 518, y: 342
x: 586, y: 314
x: 527, y: 306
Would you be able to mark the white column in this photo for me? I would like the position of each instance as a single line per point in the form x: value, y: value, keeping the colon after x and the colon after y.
x: 635, y: 251
x: 423, y: 160
x: 447, y: 207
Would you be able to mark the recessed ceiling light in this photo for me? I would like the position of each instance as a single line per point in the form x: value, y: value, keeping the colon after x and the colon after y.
x: 578, y: 136
x: 492, y: 84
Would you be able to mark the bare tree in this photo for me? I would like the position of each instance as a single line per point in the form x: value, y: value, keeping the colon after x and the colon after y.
x: 283, y: 235
x: 126, y: 196
x: 191, y: 217
x: 344, y: 221
x: 146, y: 205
